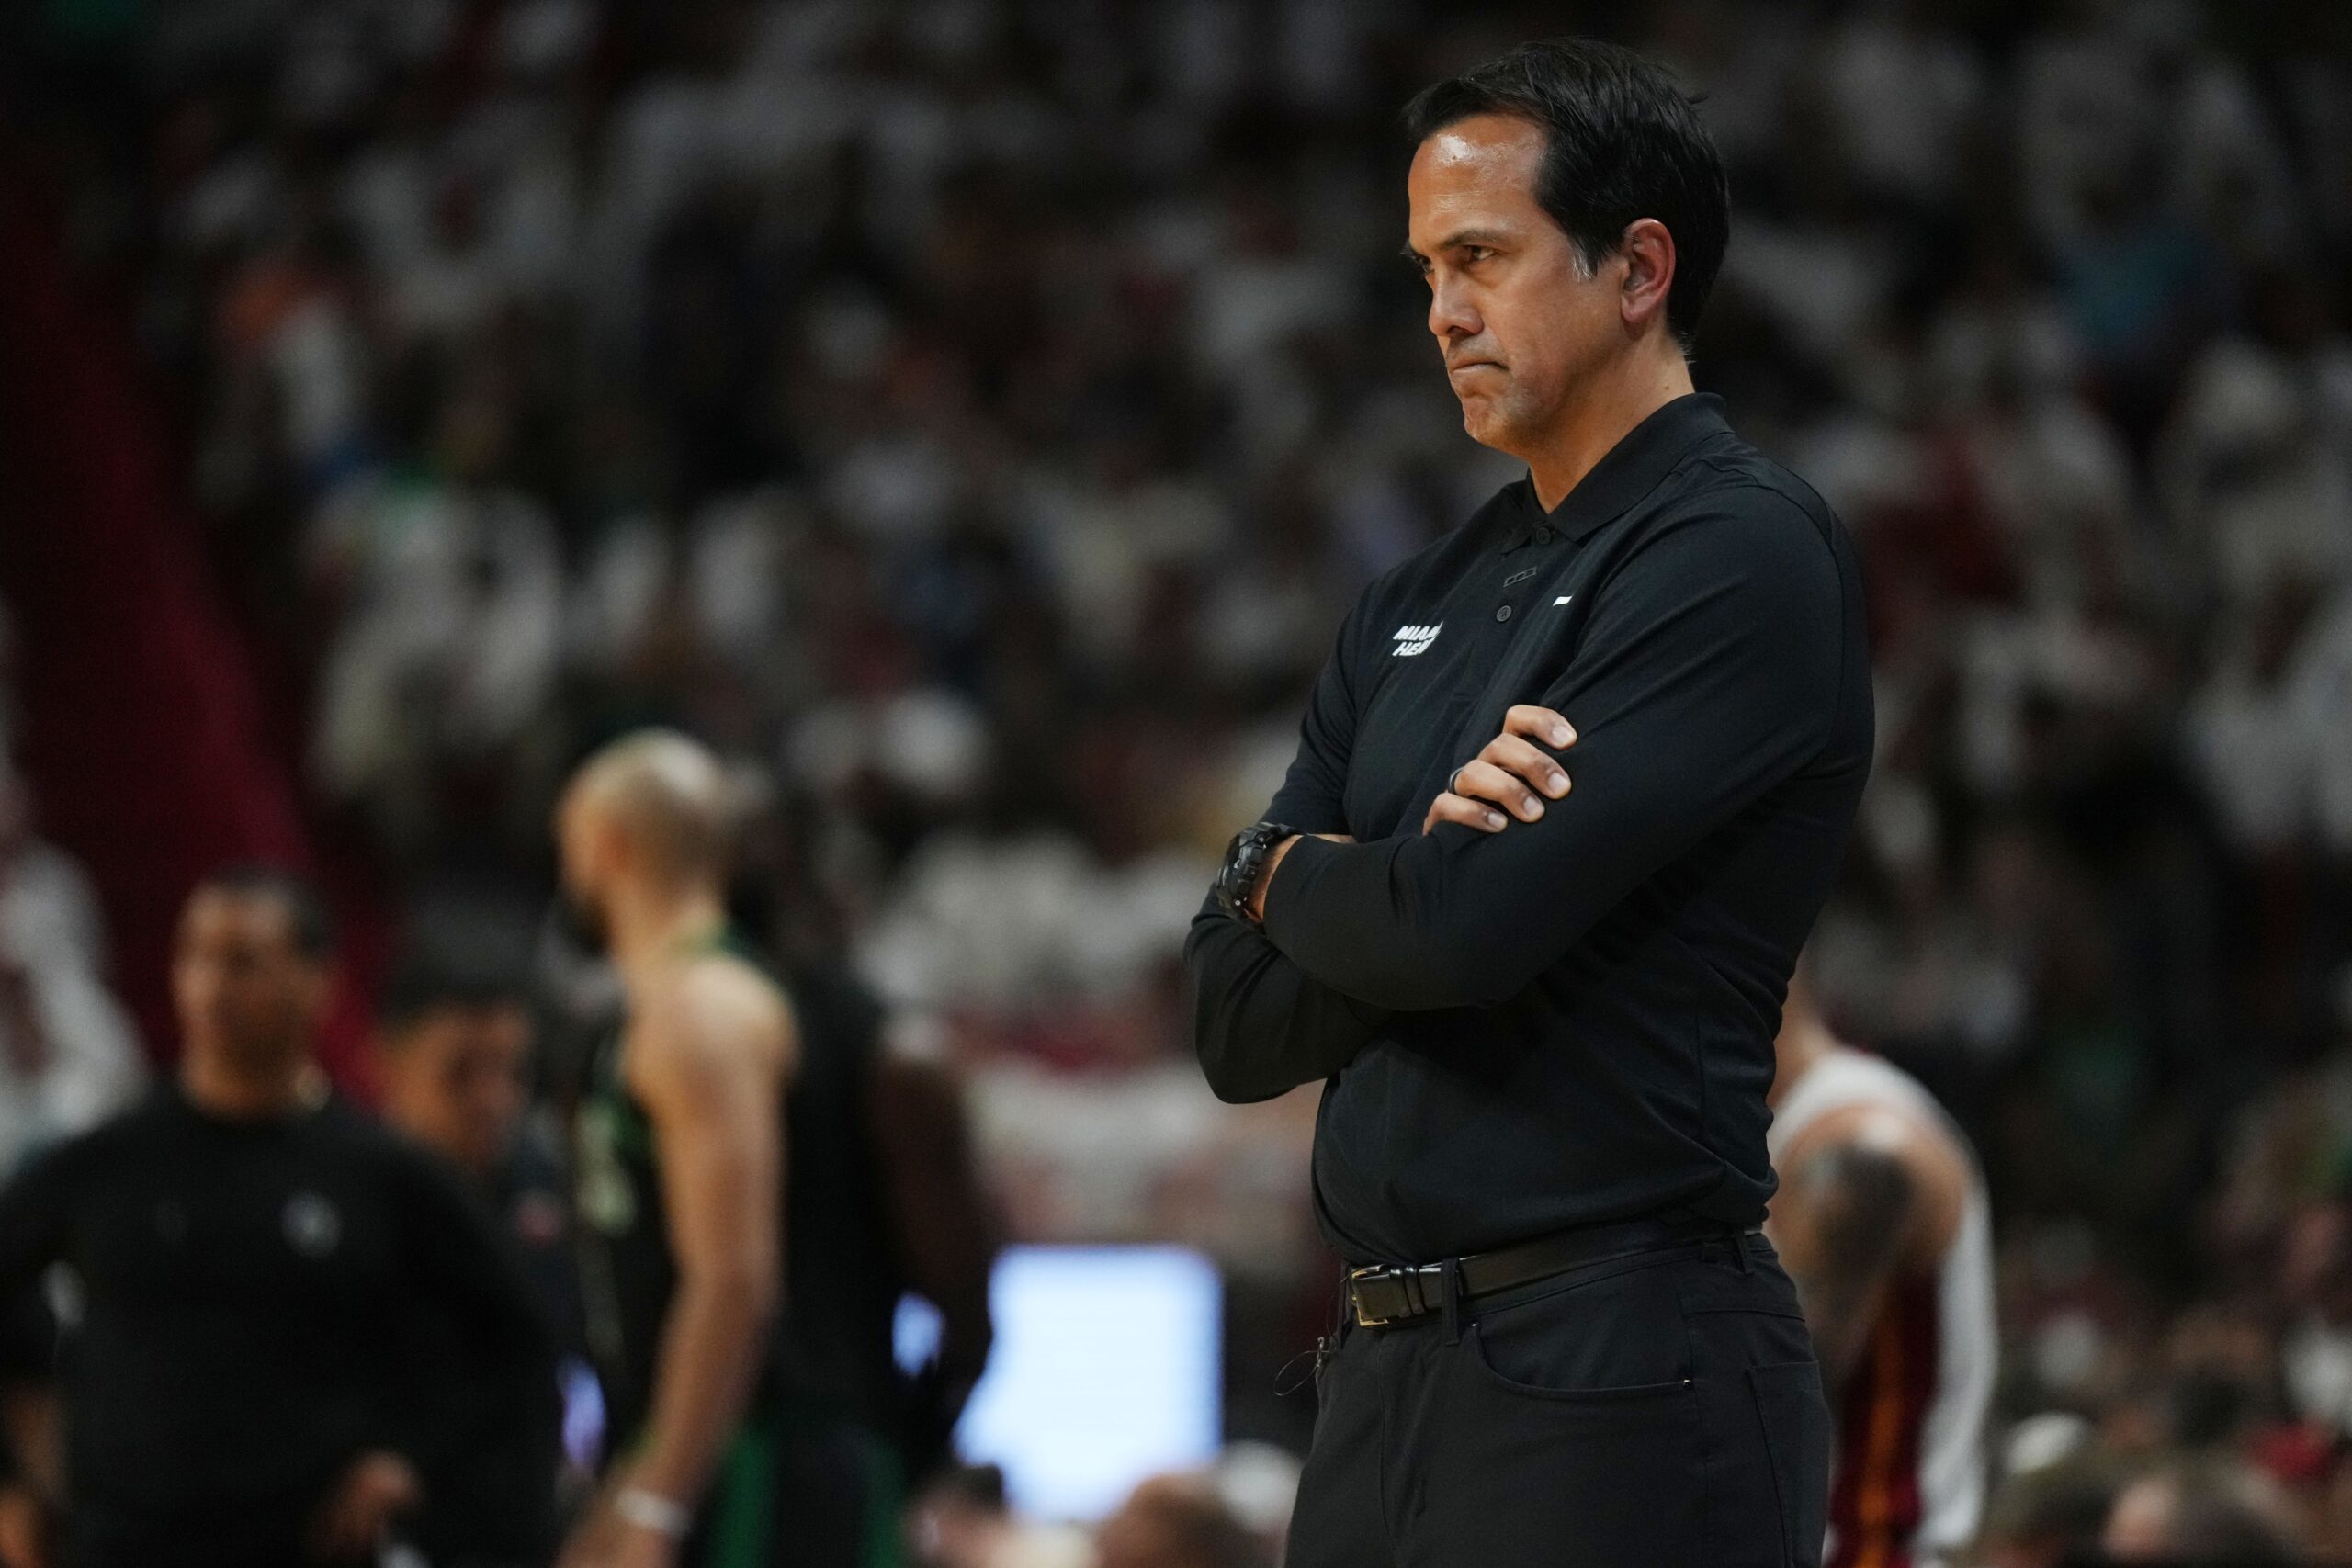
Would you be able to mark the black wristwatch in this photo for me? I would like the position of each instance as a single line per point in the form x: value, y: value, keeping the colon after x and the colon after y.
x: 1245, y: 858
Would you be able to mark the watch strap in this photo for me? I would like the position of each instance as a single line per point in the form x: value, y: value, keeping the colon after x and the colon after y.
x: 1245, y: 862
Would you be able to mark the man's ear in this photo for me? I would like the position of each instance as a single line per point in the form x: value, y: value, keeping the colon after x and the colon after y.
x: 611, y: 857
x: 1648, y: 251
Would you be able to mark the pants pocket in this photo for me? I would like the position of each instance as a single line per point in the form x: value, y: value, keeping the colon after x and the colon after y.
x: 1794, y: 1421
x: 1618, y: 1337
x: 1535, y: 1477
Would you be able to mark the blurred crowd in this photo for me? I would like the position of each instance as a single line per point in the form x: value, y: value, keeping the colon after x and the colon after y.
x: 69, y: 1054
x: 976, y: 416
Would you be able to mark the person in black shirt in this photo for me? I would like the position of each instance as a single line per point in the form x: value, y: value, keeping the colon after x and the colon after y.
x: 249, y: 1253
x: 1543, y: 1009
x: 881, y: 1200
x: 453, y: 1053
x: 884, y: 1196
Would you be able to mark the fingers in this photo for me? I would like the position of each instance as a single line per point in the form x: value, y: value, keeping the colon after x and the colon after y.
x: 1482, y: 780
x: 1452, y: 807
x: 1526, y: 764
x: 1539, y: 724
x: 1509, y: 771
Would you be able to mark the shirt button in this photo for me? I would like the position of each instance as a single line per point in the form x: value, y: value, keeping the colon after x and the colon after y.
x: 1502, y: 612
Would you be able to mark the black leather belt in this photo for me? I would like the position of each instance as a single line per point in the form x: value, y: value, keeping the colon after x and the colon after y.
x: 1383, y: 1295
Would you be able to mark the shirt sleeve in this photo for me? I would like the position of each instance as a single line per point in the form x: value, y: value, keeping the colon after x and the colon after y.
x: 1710, y: 672
x: 1262, y: 1026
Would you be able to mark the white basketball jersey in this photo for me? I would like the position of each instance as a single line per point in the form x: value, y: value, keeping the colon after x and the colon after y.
x: 1907, y: 1481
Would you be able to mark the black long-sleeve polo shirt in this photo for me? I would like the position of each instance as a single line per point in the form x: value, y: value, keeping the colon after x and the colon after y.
x: 259, y: 1304
x: 1571, y: 1020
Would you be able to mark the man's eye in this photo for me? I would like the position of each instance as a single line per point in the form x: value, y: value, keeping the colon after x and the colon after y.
x: 1475, y: 254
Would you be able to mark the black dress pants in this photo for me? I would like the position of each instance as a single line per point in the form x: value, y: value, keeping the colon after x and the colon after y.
x: 1660, y: 1409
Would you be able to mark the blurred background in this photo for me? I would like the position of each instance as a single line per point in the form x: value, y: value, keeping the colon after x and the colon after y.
x: 975, y: 416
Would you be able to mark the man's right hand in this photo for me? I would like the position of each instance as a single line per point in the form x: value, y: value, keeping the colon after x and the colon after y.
x: 1512, y: 772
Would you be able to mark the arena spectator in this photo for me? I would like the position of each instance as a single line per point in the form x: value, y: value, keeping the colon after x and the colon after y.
x: 68, y: 1055
x: 2191, y: 1513
x: 1176, y: 1522
x: 2049, y: 1516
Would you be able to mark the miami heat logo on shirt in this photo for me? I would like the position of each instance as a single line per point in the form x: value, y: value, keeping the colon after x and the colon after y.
x: 1413, y: 641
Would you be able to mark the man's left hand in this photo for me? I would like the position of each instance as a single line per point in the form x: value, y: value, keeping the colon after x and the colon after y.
x: 1512, y: 772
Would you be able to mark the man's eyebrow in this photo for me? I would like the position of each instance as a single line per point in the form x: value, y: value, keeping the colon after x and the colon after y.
x: 1458, y: 237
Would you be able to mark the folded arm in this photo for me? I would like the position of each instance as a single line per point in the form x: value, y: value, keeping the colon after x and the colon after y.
x: 1710, y: 672
x: 1260, y: 1025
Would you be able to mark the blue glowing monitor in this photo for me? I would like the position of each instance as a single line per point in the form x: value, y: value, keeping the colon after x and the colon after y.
x: 1107, y: 1368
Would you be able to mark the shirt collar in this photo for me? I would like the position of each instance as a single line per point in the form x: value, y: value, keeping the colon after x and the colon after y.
x: 1626, y: 472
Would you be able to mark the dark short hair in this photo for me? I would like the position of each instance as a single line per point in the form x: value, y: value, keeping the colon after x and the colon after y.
x: 308, y: 924
x: 1621, y: 142
x: 427, y: 978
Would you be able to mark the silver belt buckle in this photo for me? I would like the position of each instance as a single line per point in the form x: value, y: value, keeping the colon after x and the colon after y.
x: 1371, y: 1272
x: 1413, y: 1288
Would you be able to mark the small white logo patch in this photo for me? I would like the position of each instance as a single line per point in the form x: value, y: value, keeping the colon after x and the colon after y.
x: 1563, y: 599
x: 1413, y: 641
x: 313, y: 1226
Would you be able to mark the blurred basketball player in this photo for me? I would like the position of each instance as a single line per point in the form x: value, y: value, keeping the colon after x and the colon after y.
x: 1880, y: 1217
x: 882, y: 1189
x: 680, y: 1195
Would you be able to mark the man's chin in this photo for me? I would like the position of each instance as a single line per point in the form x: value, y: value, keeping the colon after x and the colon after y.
x: 1483, y: 424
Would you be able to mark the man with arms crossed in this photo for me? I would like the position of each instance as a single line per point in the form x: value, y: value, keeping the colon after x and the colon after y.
x: 1546, y: 1032
x: 1882, y: 1218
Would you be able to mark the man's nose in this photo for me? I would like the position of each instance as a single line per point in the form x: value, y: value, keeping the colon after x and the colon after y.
x: 1451, y: 316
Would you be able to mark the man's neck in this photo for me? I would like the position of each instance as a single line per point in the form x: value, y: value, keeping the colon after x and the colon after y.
x: 237, y: 1092
x: 651, y: 929
x: 1619, y: 397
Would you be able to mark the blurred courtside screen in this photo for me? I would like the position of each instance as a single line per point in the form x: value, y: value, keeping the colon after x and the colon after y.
x: 1108, y: 1367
